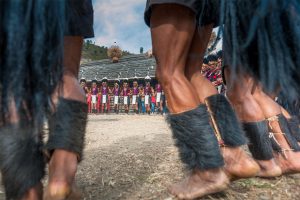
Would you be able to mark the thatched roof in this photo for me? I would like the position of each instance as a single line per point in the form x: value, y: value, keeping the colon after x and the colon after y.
x: 132, y: 66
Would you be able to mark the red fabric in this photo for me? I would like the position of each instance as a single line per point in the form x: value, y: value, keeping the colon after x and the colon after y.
x: 153, y: 99
x: 89, y: 98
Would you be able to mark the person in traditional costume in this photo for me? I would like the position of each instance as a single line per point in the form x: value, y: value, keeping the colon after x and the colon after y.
x: 116, y: 93
x: 89, y: 100
x: 67, y: 124
x: 84, y: 86
x: 94, y: 89
x: 40, y: 48
x: 104, y: 91
x: 153, y: 101
x: 261, y: 57
x: 109, y: 97
x: 273, y: 138
x: 158, y: 91
x: 126, y: 96
x: 135, y: 92
x: 142, y: 99
x: 147, y: 91
x: 99, y: 101
x: 202, y: 121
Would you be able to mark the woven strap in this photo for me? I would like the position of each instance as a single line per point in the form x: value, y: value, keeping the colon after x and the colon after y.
x: 282, y: 151
x: 215, y: 126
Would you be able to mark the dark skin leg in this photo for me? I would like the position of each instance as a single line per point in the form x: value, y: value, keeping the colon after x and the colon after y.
x: 126, y: 108
x: 63, y: 164
x: 237, y: 163
x: 248, y: 110
x: 89, y: 108
x: 148, y: 108
x: 158, y: 107
x: 103, y: 107
x: 171, y: 54
x: 171, y: 64
x: 290, y: 164
x: 161, y: 107
x: 203, y: 87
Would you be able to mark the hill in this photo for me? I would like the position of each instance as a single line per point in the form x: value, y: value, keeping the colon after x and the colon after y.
x: 92, y: 52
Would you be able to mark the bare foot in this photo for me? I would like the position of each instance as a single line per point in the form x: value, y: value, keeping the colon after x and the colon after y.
x: 268, y: 169
x: 62, y: 170
x: 238, y: 164
x: 289, y: 164
x: 200, y: 183
x: 35, y: 193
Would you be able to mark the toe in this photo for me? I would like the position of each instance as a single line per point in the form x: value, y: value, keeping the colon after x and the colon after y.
x: 181, y: 196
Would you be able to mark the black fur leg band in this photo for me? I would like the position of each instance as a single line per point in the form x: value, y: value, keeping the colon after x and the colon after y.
x: 260, y: 145
x: 67, y: 127
x: 22, y: 161
x: 195, y: 139
x: 294, y: 127
x: 288, y: 135
x: 225, y: 121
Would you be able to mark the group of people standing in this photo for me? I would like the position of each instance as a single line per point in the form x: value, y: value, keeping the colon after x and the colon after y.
x: 141, y: 99
x: 212, y: 70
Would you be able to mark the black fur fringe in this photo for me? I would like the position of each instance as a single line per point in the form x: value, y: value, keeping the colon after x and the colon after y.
x: 31, y: 56
x: 262, y: 38
x: 197, y: 143
x: 67, y: 127
x: 227, y: 121
x: 260, y: 145
x: 294, y: 127
x: 21, y: 160
x: 288, y: 135
x: 293, y: 107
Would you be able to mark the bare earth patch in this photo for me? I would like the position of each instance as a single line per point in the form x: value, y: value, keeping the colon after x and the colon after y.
x: 132, y: 157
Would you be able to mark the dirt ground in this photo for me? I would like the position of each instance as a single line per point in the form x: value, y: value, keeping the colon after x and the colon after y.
x: 133, y: 158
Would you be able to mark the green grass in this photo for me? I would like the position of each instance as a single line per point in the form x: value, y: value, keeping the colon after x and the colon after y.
x: 93, y: 52
x: 257, y: 183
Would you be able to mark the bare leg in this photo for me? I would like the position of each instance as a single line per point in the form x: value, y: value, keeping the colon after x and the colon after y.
x: 248, y: 110
x: 95, y: 107
x: 148, y: 108
x: 158, y: 107
x: 63, y: 164
x: 202, y: 86
x: 290, y: 164
x: 103, y: 108
x: 171, y: 54
x: 237, y: 162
